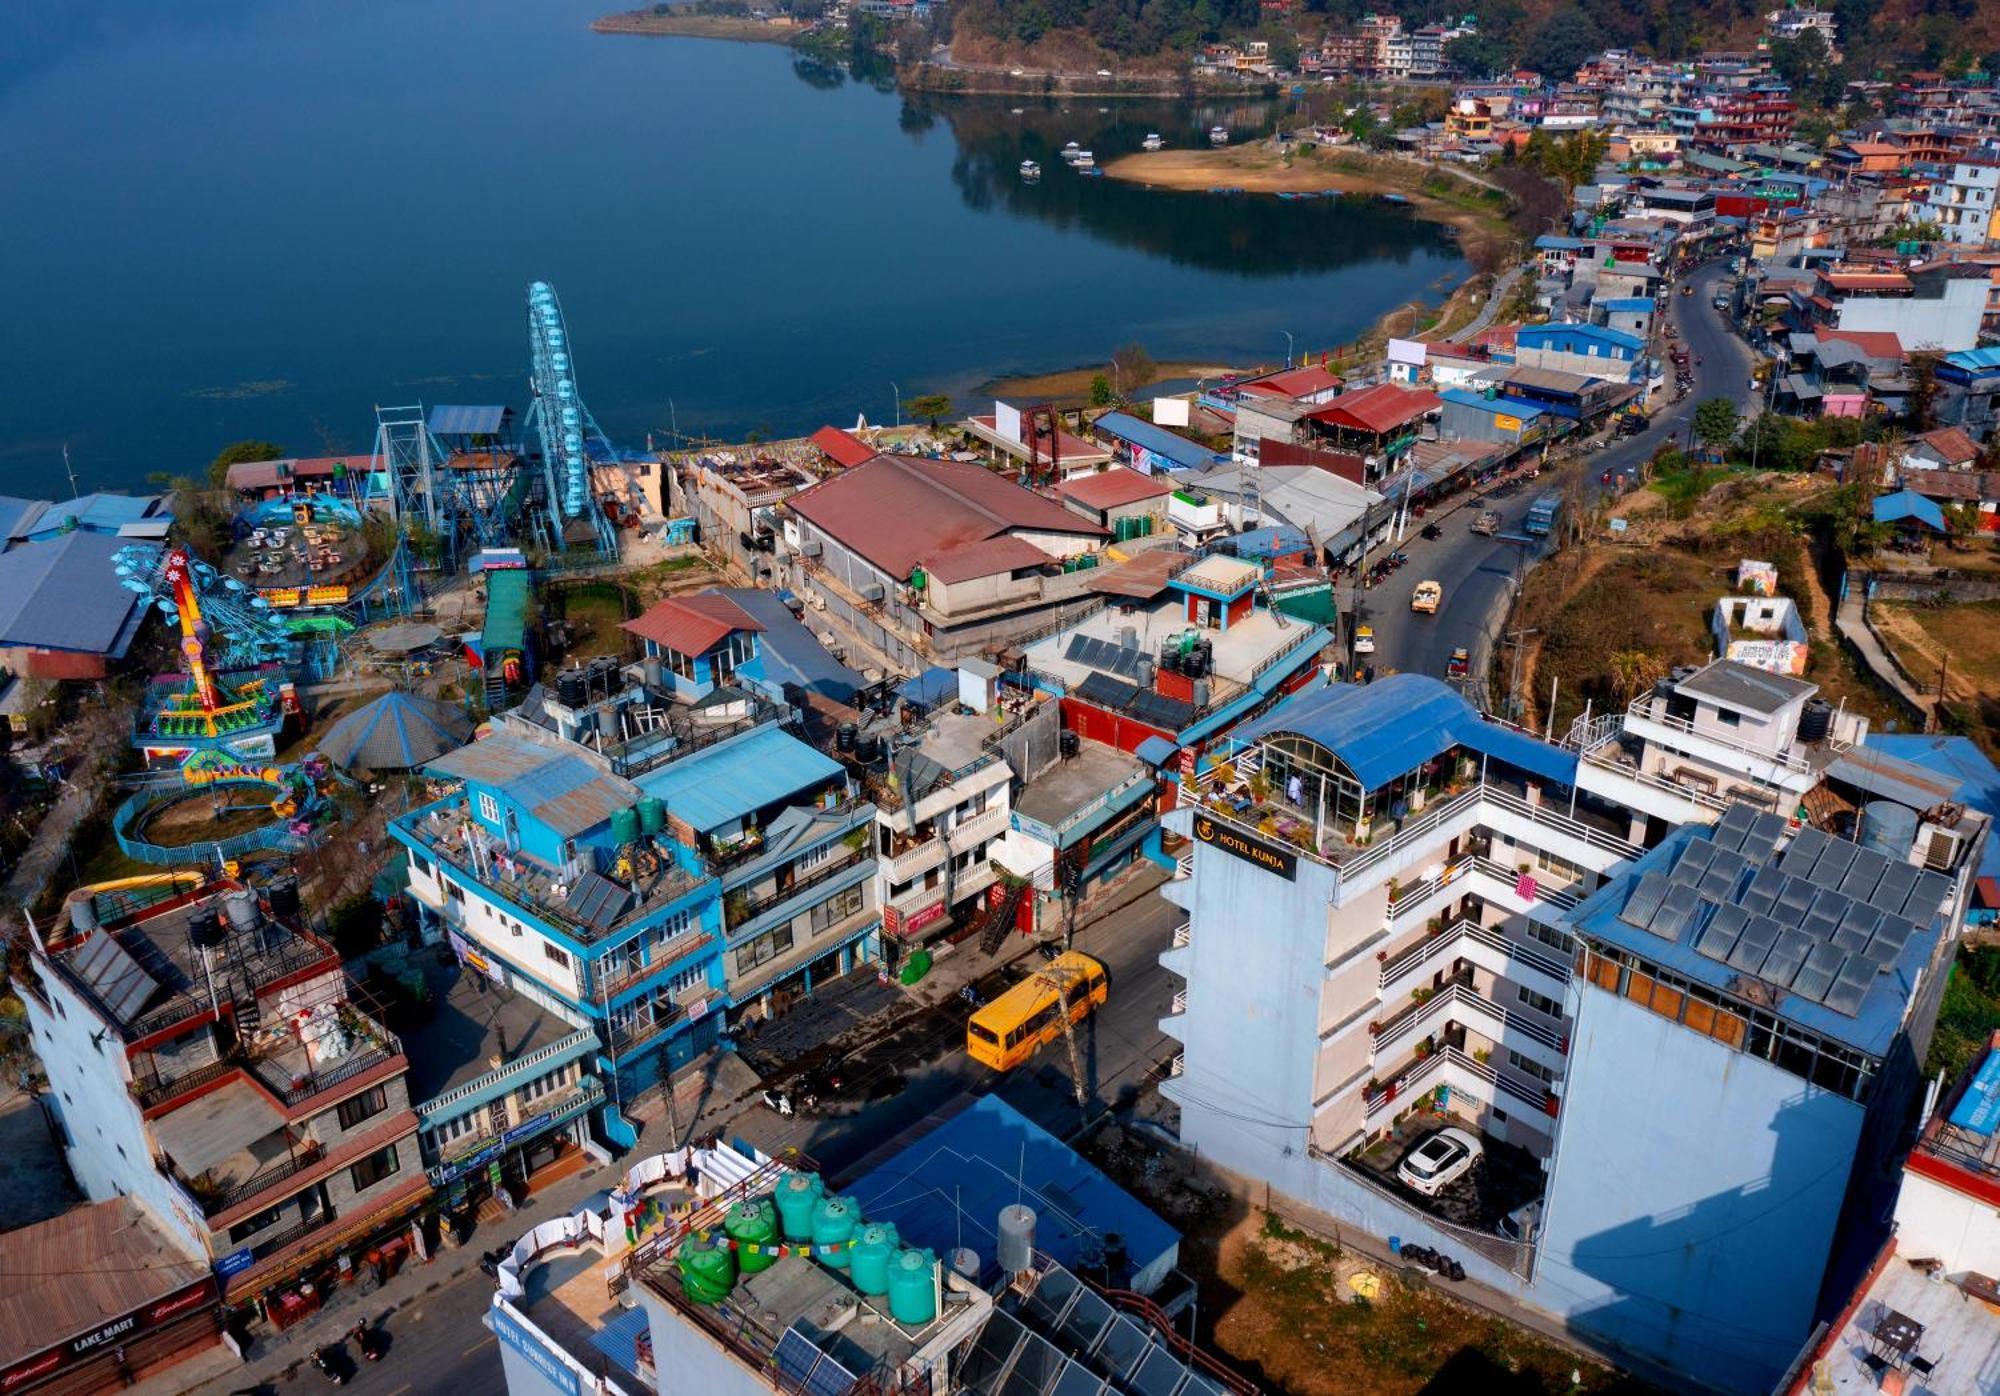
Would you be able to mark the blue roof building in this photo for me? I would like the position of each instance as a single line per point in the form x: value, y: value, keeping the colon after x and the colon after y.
x: 64, y: 612
x: 1595, y: 351
x: 788, y: 654
x: 1910, y: 508
x: 657, y: 892
x: 947, y: 1187
x: 1150, y: 449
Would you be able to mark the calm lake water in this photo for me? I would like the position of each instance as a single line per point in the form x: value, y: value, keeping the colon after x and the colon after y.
x: 232, y: 218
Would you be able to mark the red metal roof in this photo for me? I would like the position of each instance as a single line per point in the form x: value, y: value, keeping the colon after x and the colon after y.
x: 1989, y: 891
x: 1381, y: 408
x: 1296, y: 383
x: 842, y: 447
x: 983, y: 559
x: 1950, y: 445
x: 895, y: 510
x: 1110, y: 488
x: 692, y: 625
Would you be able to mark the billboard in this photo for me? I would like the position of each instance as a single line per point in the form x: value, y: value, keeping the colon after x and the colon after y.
x: 1007, y: 420
x: 1171, y: 411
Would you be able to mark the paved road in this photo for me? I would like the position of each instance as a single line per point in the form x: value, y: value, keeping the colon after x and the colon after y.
x: 1119, y: 1045
x: 1477, y: 572
x: 1496, y: 299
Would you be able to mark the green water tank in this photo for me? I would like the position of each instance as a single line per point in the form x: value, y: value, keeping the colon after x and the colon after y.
x: 652, y: 814
x: 624, y: 826
x: 753, y: 1220
x: 797, y: 1195
x: 834, y: 1222
x: 917, y: 579
x: 708, y: 1269
x: 913, y: 1288
x: 875, y: 1246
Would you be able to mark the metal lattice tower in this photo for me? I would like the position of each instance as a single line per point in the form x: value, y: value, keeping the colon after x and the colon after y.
x: 568, y: 434
x: 413, y: 460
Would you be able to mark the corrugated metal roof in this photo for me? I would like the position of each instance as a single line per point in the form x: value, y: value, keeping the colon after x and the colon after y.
x: 1123, y: 426
x: 563, y: 789
x: 726, y: 782
x: 506, y: 624
x: 841, y: 447
x: 1390, y: 727
x: 987, y: 558
x: 65, y: 595
x: 788, y: 651
x: 1894, y: 508
x: 1381, y: 408
x: 692, y: 625
x: 1110, y: 488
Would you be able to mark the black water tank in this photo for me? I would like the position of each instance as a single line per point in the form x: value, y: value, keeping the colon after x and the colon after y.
x: 1071, y: 744
x: 1117, y: 1260
x: 283, y: 894
x: 844, y: 739
x: 868, y: 750
x: 207, y: 932
x: 572, y: 688
x: 1816, y: 721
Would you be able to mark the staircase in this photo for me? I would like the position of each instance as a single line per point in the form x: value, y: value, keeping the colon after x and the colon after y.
x: 496, y: 692
x: 1000, y: 919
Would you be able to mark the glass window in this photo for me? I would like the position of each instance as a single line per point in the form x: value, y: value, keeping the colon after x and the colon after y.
x: 489, y: 808
x: 1541, y: 1003
x: 369, y: 1103
x: 381, y: 1164
x: 556, y: 954
x: 837, y: 908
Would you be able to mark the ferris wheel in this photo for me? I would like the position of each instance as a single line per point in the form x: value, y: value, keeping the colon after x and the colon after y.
x: 569, y: 436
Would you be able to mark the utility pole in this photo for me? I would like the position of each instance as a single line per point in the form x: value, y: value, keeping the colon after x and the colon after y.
x: 71, y: 471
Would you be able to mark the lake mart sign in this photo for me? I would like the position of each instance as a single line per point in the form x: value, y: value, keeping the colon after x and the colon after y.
x: 1267, y: 856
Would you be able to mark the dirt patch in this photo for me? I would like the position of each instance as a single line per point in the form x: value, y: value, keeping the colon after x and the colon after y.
x: 194, y: 818
x: 1961, y: 642
x: 686, y: 25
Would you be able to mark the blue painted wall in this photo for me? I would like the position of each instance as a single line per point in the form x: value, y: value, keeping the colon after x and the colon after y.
x: 1694, y: 1196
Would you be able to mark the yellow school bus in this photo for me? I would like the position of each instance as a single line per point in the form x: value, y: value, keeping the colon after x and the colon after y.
x: 1007, y: 1031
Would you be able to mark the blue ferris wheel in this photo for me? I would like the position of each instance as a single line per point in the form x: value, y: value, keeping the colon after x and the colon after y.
x: 569, y: 436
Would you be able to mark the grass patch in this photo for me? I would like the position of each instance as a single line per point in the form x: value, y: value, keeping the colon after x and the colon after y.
x: 1962, y: 641
x: 1969, y: 1013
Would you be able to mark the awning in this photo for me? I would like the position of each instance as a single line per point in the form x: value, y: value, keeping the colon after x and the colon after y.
x: 1156, y: 751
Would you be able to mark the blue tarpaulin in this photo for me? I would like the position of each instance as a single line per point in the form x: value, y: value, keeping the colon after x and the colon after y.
x: 932, y: 687
x: 1908, y: 504
x: 1979, y: 1110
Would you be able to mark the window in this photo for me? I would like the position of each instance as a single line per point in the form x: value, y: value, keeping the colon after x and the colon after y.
x: 1541, y: 1003
x: 765, y: 947
x: 454, y: 891
x: 422, y: 864
x: 262, y: 1221
x: 489, y: 808
x: 837, y: 908
x: 455, y: 1129
x: 369, y: 1103
x: 542, y: 1085
x: 813, y: 857
x: 1527, y: 1066
x: 1550, y: 936
x: 555, y: 954
x: 1728, y: 718
x: 379, y: 1165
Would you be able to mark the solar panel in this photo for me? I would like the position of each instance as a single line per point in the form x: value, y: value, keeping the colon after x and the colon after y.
x: 1795, y: 898
x: 114, y: 976
x: 1731, y: 829
x: 1078, y: 1380
x: 1084, y: 1323
x: 1815, y: 977
x: 1104, y: 691
x: 1850, y: 986
x: 1760, y: 933
x: 991, y: 1350
x: 1834, y: 862
x: 1036, y: 1368
x: 1677, y: 911
x: 1787, y: 954
x: 1857, y: 926
x: 1158, y: 710
x: 1719, y: 936
x: 1894, y: 889
x: 1692, y: 863
x: 1865, y: 874
x: 1765, y: 831
x: 811, y: 1370
x: 1160, y: 1374
x: 1725, y: 870
x: 1762, y: 893
x: 1806, y: 847
x: 1889, y: 939
x: 1926, y: 898
x: 1124, y: 1347
x: 1051, y: 1296
x: 1644, y: 901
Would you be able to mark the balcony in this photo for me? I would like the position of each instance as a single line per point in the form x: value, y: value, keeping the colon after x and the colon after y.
x: 665, y: 1019
x: 1459, y: 1002
x: 1183, y: 936
x: 294, y: 1084
x: 615, y: 980
x: 557, y: 1105
x: 1540, y: 970
x: 738, y: 909
x: 1446, y: 1063
x: 1649, y: 711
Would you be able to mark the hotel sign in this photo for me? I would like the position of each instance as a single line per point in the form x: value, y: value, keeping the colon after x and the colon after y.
x: 1229, y: 839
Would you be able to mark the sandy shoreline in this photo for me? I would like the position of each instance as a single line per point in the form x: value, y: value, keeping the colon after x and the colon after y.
x: 685, y: 25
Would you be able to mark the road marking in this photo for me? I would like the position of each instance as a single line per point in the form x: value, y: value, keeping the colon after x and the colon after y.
x: 400, y: 1390
x: 477, y: 1346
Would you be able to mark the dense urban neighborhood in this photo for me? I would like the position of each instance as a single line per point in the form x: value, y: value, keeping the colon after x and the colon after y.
x: 1456, y: 860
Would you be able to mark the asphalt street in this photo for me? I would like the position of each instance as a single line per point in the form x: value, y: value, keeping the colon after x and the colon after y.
x: 1477, y: 572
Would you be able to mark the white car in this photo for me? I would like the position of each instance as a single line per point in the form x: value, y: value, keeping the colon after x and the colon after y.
x: 1104, y: 72
x: 1442, y: 1158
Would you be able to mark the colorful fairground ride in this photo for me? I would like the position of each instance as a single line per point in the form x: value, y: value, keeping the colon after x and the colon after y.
x: 286, y: 805
x: 233, y: 691
x: 304, y: 558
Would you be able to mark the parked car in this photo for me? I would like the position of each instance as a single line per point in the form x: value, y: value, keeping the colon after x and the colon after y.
x: 1428, y: 596
x: 1524, y: 1223
x: 1488, y: 522
x: 1364, y: 639
x: 1459, y: 665
x: 1443, y: 1158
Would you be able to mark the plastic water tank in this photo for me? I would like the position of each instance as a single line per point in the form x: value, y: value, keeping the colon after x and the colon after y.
x: 571, y: 690
x: 283, y: 895
x: 797, y: 1196
x: 753, y: 1221
x: 83, y: 914
x: 965, y: 1263
x: 875, y: 1245
x: 624, y: 826
x: 1815, y: 720
x: 708, y: 1269
x: 1888, y: 828
x: 913, y: 1281
x: 1017, y: 1238
x: 652, y: 814
x: 241, y: 908
x: 833, y: 1224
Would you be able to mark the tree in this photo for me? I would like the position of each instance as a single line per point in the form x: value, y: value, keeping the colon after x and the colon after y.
x: 1715, y: 421
x: 1964, y: 521
x: 1479, y: 55
x: 930, y: 407
x: 1132, y: 368
x: 1564, y: 42
x: 1100, y: 391
x: 236, y: 453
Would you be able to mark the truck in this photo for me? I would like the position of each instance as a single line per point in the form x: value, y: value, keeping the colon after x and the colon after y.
x: 1488, y: 522
x: 1427, y: 597
x: 1541, y: 520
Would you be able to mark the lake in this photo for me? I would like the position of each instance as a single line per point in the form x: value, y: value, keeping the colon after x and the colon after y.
x: 238, y: 218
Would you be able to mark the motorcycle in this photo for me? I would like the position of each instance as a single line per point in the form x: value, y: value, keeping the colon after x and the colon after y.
x: 368, y: 1341
x: 1432, y: 531
x: 780, y: 1102
x: 322, y: 1360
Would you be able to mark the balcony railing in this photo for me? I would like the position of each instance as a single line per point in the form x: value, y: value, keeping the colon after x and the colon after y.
x: 309, y: 1154
x: 1432, y: 946
x: 668, y: 952
x: 1464, y: 996
x: 1544, y: 891
x: 1597, y: 758
x: 277, y: 1241
x: 624, y: 1039
x: 161, y: 1089
x: 737, y: 912
x: 521, y: 1064
x: 1648, y: 708
x: 1414, y: 1077
x: 1183, y: 935
x: 1180, y: 1002
x: 295, y: 1090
